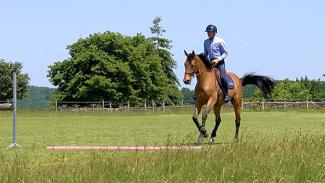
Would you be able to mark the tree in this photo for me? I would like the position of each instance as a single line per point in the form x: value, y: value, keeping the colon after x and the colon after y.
x: 313, y: 86
x: 290, y: 90
x: 158, y: 31
x: 163, y: 47
x: 110, y: 66
x: 188, y: 95
x: 6, y: 70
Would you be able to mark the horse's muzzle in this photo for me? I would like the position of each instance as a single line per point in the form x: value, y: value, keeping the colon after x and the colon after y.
x: 187, y: 78
x: 187, y: 81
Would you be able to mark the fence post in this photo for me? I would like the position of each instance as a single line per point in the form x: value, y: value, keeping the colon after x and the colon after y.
x: 263, y: 104
x: 128, y: 105
x: 182, y: 102
x: 153, y: 105
x: 56, y: 105
x: 110, y: 105
x: 242, y: 104
x: 307, y: 104
x: 285, y: 103
x: 103, y: 101
x: 163, y: 105
x: 145, y: 104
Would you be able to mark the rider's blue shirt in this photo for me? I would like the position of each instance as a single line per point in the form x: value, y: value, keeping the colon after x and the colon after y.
x: 215, y: 48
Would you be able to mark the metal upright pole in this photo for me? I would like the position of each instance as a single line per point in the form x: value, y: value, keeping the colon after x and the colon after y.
x: 14, y: 92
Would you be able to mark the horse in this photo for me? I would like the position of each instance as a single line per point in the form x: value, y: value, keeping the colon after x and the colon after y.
x: 208, y: 92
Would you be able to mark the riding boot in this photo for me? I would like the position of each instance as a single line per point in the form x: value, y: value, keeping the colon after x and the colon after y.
x: 225, y: 90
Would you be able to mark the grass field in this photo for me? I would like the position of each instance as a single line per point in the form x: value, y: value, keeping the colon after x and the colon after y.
x: 274, y: 147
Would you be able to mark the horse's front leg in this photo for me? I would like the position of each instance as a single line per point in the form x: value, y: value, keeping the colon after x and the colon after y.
x: 196, y: 113
x: 203, y: 132
x: 217, y: 109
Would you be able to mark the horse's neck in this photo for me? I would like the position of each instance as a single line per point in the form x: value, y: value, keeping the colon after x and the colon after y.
x: 204, y: 75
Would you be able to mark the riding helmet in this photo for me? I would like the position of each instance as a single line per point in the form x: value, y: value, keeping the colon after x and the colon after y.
x: 211, y: 28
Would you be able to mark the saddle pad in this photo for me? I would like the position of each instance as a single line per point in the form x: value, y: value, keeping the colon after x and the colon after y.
x: 230, y: 82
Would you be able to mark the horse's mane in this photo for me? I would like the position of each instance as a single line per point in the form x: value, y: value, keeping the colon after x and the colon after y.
x: 206, y: 62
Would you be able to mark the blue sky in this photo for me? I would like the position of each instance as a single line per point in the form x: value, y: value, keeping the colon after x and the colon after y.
x: 278, y: 38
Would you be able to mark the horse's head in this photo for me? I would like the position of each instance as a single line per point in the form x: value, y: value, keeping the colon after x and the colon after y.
x: 190, y: 67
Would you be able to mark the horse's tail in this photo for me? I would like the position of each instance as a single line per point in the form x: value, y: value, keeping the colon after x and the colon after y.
x: 264, y: 83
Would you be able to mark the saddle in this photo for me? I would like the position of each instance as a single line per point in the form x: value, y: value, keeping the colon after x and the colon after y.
x: 229, y: 80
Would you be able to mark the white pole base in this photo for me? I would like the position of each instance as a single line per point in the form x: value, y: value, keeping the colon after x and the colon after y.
x: 14, y: 146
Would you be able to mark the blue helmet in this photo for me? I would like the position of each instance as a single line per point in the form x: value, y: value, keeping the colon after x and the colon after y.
x: 211, y: 28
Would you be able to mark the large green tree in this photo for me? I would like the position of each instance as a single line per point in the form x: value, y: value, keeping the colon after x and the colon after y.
x: 163, y: 47
x: 6, y: 71
x: 291, y: 90
x: 110, y: 66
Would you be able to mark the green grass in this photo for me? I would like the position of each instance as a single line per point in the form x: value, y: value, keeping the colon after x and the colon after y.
x: 274, y: 147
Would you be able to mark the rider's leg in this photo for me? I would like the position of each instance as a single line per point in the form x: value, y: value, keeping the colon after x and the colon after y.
x: 222, y: 70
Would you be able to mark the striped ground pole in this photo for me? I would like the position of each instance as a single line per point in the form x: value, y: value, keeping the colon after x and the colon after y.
x: 124, y: 148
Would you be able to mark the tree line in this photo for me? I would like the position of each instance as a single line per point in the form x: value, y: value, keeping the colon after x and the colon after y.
x: 300, y: 89
x: 35, y: 97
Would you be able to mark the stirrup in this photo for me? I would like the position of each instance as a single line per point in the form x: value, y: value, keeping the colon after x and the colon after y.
x: 227, y: 99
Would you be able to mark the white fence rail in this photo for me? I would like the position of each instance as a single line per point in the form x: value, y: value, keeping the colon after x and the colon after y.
x: 155, y: 106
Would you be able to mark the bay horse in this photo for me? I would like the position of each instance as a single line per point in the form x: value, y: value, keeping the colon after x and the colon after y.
x: 208, y: 92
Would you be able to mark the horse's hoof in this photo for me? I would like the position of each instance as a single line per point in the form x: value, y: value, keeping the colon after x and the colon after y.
x: 212, y: 140
x: 206, y: 135
x: 235, y: 140
x: 201, y: 138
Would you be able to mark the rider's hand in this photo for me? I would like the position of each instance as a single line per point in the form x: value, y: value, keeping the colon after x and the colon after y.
x: 216, y: 61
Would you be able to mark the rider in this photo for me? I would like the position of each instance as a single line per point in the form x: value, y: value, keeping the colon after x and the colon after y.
x: 215, y: 51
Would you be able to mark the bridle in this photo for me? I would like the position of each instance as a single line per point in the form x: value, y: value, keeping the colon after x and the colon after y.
x: 194, y: 73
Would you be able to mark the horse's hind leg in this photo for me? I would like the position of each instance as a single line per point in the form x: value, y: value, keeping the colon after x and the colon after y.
x: 237, y: 108
x: 217, y: 109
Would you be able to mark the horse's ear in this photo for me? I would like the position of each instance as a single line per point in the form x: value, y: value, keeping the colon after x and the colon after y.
x: 193, y: 53
x: 186, y: 53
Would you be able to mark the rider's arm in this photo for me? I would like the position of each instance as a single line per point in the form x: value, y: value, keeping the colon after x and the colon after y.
x: 205, y: 49
x: 223, y: 50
